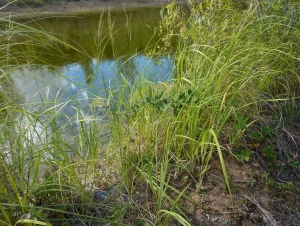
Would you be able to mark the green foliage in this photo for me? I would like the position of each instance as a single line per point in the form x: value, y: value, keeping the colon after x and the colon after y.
x: 244, y: 154
x: 231, y: 68
x: 285, y: 187
x: 282, y: 187
x: 229, y: 65
x: 266, y: 137
x: 176, y: 102
x: 269, y: 180
x: 159, y: 186
x: 232, y: 187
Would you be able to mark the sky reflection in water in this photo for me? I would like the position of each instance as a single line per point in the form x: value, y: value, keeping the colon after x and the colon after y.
x: 72, y: 84
x: 70, y: 80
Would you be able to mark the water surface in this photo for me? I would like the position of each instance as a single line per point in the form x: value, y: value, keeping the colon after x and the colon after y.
x: 79, y: 57
x: 98, y: 50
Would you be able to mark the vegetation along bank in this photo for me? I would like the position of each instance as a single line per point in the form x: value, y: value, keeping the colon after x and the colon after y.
x: 218, y: 144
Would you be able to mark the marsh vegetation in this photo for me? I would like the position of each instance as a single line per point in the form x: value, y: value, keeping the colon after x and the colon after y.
x: 144, y: 151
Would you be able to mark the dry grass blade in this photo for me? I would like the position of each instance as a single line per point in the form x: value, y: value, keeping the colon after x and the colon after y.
x: 263, y: 211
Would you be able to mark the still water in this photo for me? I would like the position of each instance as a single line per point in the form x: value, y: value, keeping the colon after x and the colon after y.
x: 96, y: 51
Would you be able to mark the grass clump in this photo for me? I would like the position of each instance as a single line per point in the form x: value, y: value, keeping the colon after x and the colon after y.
x: 49, y: 160
x: 236, y: 73
x: 234, y: 69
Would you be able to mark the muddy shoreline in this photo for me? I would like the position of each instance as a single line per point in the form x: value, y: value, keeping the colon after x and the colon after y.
x: 80, y: 6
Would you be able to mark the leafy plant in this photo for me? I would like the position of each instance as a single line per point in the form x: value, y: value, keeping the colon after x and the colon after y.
x: 269, y: 180
x: 244, y: 154
x: 288, y: 186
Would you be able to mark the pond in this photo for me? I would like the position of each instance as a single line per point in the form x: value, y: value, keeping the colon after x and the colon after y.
x: 96, y: 50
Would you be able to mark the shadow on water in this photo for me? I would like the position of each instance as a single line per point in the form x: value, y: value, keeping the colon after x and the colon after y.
x: 98, y: 50
x: 103, y: 35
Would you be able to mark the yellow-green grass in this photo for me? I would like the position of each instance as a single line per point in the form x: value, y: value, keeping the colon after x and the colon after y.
x: 231, y: 68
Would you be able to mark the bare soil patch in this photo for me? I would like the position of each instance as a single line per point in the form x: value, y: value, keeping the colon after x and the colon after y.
x: 255, y: 202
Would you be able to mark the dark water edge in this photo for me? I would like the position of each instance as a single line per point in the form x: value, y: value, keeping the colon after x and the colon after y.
x: 102, y: 35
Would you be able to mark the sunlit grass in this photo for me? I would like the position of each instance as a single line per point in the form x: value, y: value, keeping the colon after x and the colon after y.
x: 41, y: 165
x: 228, y: 74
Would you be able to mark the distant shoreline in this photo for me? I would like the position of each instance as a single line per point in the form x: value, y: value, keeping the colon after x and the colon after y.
x: 80, y: 6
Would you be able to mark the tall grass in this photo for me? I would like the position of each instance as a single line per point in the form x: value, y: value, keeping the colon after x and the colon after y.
x: 231, y: 68
x: 226, y: 71
x: 48, y: 173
